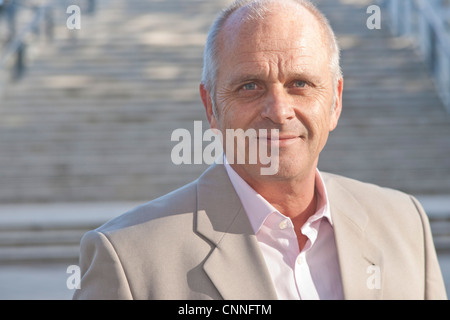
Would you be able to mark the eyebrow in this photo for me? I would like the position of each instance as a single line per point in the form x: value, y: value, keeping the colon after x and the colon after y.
x: 237, y: 80
x: 246, y: 78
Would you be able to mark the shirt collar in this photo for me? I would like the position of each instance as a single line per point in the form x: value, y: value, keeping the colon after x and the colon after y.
x: 258, y: 208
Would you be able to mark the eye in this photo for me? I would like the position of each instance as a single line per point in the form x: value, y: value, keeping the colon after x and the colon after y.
x: 299, y: 84
x: 250, y: 86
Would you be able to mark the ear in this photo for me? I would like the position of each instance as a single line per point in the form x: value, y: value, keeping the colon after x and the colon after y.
x: 337, y: 108
x: 207, y: 103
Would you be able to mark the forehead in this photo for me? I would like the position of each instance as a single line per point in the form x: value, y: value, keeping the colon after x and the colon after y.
x: 286, y: 36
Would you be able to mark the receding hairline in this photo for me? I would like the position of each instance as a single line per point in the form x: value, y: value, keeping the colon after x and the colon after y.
x: 258, y: 10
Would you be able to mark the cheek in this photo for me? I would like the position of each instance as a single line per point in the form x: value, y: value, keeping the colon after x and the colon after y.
x: 322, y: 125
x: 322, y: 130
x: 314, y: 116
x: 233, y: 114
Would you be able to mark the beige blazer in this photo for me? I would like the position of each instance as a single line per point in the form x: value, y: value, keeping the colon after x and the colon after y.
x: 197, y: 243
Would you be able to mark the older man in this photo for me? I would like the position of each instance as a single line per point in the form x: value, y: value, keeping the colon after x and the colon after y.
x: 294, y: 234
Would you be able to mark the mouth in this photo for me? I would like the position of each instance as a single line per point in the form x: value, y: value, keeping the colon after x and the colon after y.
x: 281, y: 140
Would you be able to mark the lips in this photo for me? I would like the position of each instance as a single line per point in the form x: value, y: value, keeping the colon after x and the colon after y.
x: 286, y: 137
x: 283, y: 140
x: 280, y: 137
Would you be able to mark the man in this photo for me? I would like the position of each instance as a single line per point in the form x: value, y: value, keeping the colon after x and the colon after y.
x: 295, y: 234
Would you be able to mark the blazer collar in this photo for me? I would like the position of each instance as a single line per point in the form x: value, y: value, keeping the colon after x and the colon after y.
x: 235, y: 265
x: 360, y: 260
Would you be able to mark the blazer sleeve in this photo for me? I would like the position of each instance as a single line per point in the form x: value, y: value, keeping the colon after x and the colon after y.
x: 102, y: 274
x: 434, y: 283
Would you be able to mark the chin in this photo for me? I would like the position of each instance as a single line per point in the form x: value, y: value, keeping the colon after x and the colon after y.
x: 286, y: 173
x: 287, y: 169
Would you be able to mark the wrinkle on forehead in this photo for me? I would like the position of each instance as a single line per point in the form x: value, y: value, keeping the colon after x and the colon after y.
x: 287, y: 29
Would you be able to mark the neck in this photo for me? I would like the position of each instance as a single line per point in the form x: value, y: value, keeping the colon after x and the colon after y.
x: 295, y: 198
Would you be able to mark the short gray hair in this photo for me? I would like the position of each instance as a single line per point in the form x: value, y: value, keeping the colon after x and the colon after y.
x: 258, y: 9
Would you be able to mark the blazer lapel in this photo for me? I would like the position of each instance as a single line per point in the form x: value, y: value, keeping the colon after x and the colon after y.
x: 361, y: 261
x: 235, y: 265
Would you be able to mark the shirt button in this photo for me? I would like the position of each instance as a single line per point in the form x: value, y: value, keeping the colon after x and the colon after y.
x: 300, y: 260
x: 283, y: 224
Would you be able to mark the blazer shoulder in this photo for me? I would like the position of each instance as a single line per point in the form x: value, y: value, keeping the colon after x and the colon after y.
x: 382, y: 204
x: 364, y: 191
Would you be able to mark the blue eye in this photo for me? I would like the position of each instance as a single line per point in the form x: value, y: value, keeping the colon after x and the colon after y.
x: 299, y: 84
x: 249, y: 86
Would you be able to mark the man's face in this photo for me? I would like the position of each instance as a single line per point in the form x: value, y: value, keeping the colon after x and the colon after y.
x: 275, y: 74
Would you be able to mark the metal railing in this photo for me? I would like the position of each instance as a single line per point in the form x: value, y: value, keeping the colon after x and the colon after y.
x: 427, y: 22
x: 13, y: 56
x: 8, y: 13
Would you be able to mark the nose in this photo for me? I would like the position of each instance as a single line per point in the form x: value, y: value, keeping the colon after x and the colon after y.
x: 277, y: 106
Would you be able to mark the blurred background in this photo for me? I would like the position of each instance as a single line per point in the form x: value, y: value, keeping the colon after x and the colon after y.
x: 86, y: 116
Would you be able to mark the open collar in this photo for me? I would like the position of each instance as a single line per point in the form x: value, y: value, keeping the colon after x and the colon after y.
x: 235, y: 264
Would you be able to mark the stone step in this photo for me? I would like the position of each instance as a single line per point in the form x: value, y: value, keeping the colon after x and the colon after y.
x: 42, y: 254
x: 50, y: 232
x: 44, y: 237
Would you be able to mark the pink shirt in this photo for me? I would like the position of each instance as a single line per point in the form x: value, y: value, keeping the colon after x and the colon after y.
x: 314, y: 272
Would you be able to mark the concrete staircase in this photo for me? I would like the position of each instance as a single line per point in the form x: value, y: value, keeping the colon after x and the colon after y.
x: 44, y: 233
x: 438, y: 210
x: 394, y: 130
x: 92, y: 119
